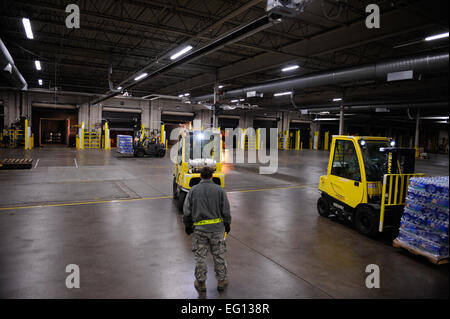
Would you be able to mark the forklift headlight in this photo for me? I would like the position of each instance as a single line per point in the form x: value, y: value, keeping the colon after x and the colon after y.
x: 363, y: 143
x: 392, y: 143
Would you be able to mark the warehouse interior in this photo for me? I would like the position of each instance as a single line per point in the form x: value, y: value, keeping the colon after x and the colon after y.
x: 310, y: 70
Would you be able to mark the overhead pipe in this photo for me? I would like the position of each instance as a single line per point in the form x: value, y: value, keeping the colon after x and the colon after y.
x: 424, y: 63
x: 227, y: 39
x: 375, y: 106
x: 7, y: 64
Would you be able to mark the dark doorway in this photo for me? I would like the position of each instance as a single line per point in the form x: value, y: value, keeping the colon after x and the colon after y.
x: 53, y: 131
x: 267, y: 124
x: 121, y: 123
x: 60, y: 122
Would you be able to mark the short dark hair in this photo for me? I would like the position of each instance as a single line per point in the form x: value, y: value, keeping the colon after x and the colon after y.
x: 206, y: 172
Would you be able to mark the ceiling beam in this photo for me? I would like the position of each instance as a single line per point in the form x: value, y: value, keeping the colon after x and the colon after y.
x: 394, y: 23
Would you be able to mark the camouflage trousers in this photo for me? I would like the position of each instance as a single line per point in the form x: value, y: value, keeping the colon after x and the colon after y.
x: 201, y: 242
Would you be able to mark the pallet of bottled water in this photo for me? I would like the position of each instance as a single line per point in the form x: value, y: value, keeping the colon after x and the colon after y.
x: 424, y: 224
x: 125, y: 144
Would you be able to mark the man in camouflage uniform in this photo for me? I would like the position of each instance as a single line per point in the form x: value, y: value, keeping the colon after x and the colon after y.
x: 207, y: 215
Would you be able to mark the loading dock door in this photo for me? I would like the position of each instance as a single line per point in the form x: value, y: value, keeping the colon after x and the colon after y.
x: 54, y: 126
x: 121, y: 123
x: 174, y: 120
x: 228, y: 123
x: 305, y: 130
x: 266, y: 124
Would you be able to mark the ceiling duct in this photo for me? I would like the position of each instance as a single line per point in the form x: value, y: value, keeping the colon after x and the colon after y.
x: 229, y: 38
x: 9, y: 68
x: 424, y: 63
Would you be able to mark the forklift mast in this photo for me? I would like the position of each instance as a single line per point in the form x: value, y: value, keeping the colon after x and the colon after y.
x: 399, y: 160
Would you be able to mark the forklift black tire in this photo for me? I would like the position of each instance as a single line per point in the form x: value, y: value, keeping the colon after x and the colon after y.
x: 175, y: 189
x: 181, y: 198
x: 139, y: 153
x: 161, y: 153
x: 322, y: 207
x: 367, y: 221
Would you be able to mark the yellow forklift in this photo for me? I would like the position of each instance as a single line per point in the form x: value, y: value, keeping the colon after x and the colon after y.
x: 366, y: 183
x: 196, y: 149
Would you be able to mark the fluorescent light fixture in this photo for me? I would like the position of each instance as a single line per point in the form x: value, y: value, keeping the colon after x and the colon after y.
x: 327, y: 119
x: 337, y: 99
x: 40, y: 81
x: 181, y: 52
x: 290, y: 68
x: 282, y: 93
x: 187, y: 94
x: 437, y: 36
x: 27, y: 25
x: 143, y: 75
x: 119, y: 88
x: 220, y: 86
x: 181, y: 95
x: 37, y: 63
x: 434, y: 118
x: 241, y: 100
x: 234, y: 101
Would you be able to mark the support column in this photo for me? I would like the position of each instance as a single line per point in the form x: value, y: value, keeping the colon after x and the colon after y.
x: 204, y: 117
x: 341, y: 120
x: 145, y: 113
x: 416, y: 141
x: 155, y: 115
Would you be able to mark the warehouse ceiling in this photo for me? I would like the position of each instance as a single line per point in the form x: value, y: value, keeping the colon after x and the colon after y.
x: 133, y: 34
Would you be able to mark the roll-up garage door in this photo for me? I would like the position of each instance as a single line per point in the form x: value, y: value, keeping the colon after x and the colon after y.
x: 266, y: 123
x: 172, y: 120
x: 122, y: 121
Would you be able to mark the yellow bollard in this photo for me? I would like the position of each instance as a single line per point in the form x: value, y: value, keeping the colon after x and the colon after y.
x: 297, y: 140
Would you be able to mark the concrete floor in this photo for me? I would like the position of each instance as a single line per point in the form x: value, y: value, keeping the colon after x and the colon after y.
x: 114, y: 217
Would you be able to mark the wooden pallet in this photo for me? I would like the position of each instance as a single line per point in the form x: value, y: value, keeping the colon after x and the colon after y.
x: 16, y: 163
x: 398, y: 244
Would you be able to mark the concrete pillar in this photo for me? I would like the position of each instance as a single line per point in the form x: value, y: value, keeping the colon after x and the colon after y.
x: 246, y: 120
x: 145, y: 114
x: 155, y: 115
x: 83, y: 114
x: 205, y: 118
x: 416, y: 141
x: 341, y: 120
x: 95, y: 115
x: 11, y: 106
x: 315, y: 134
x: 26, y: 104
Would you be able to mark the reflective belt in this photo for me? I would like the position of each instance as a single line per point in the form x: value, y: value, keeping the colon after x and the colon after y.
x: 208, y: 222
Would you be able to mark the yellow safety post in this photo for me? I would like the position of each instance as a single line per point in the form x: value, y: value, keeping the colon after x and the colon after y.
x: 297, y: 140
x: 326, y: 141
x: 107, y: 142
x: 258, y: 138
x: 163, y: 135
x: 310, y: 143
x: 32, y: 141
x: 142, y: 132
x: 27, y: 135
x: 81, y: 134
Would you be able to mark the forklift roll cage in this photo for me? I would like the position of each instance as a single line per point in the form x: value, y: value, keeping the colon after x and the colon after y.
x: 381, y: 192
